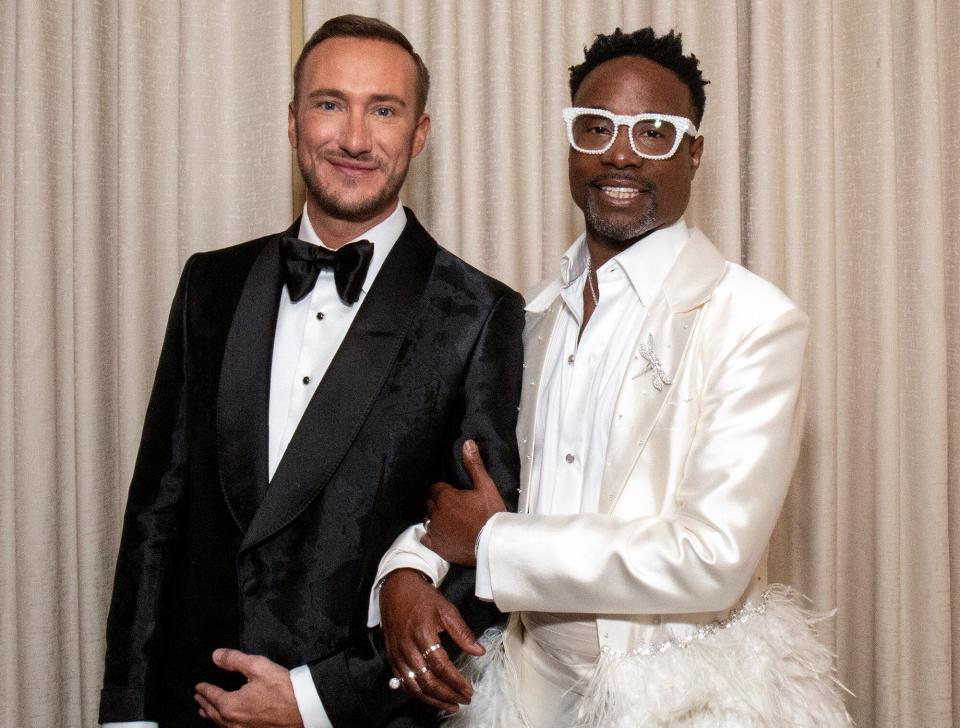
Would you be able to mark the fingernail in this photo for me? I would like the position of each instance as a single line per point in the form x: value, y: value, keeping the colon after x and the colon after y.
x: 217, y: 654
x: 470, y: 446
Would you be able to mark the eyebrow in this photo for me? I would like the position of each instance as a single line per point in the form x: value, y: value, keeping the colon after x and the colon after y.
x: 611, y: 111
x: 381, y: 98
x: 376, y: 98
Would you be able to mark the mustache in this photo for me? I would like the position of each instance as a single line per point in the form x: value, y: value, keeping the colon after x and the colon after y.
x: 607, y: 180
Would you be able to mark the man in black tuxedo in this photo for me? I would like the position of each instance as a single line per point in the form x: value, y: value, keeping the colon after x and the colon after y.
x: 307, y: 395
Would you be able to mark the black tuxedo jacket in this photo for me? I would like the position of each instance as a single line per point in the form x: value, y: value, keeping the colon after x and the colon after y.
x: 211, y: 555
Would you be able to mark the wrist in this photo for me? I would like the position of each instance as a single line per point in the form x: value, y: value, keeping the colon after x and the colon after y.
x: 476, y: 543
x: 402, y: 572
x: 483, y: 529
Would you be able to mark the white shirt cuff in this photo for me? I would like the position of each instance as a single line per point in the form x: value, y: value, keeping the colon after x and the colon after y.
x: 131, y: 724
x: 308, y: 699
x: 406, y: 552
x: 484, y: 585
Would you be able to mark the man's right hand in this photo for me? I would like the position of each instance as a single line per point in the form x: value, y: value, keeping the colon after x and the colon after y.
x: 413, y: 614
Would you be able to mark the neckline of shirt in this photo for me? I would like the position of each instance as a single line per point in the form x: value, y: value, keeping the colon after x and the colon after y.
x: 646, y: 263
x: 383, y: 235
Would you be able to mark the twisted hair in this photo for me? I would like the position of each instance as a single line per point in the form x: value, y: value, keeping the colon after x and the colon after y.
x: 665, y: 50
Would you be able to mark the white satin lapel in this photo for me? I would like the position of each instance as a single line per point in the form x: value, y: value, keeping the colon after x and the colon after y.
x: 536, y: 338
x: 670, y: 321
x: 640, y: 403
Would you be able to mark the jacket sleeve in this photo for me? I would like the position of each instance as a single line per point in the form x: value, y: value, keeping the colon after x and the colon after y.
x: 134, y: 638
x: 353, y: 683
x: 698, y: 553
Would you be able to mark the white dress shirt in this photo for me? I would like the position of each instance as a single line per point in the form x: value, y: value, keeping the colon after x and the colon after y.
x: 308, y: 335
x: 310, y: 331
x: 581, y: 381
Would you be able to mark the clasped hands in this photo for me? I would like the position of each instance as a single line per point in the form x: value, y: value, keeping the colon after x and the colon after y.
x: 414, y: 613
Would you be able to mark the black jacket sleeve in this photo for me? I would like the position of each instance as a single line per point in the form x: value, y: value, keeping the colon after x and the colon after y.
x: 134, y: 633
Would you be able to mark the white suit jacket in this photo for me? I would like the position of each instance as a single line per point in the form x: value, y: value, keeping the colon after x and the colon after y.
x: 696, y: 471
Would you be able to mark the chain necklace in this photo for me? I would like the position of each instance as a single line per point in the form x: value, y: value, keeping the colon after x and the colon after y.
x: 595, y: 294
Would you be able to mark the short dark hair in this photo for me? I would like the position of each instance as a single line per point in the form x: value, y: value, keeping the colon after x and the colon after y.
x: 665, y: 50
x: 358, y: 26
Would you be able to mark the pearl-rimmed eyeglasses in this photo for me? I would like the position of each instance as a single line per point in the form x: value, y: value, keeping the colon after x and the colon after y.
x: 652, y: 136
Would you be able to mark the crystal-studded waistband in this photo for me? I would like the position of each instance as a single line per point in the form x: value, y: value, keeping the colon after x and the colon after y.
x: 738, y: 616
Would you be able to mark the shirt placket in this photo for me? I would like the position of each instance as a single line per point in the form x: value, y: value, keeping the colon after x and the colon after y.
x: 578, y: 370
x: 305, y: 375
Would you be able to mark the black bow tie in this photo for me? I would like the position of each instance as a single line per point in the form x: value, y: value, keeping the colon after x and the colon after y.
x: 302, y: 262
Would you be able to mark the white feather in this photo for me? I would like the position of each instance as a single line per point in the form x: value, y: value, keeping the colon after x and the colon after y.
x: 766, y: 670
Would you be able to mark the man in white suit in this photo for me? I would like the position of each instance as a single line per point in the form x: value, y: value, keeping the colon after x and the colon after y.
x: 660, y: 420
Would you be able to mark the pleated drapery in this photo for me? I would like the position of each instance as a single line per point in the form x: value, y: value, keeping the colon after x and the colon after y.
x: 133, y: 134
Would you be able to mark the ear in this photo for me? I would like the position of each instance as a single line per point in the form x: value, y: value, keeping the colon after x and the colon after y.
x: 696, y: 151
x: 420, y: 134
x: 292, y: 124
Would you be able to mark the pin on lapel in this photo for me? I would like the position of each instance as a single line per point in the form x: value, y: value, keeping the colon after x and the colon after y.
x: 648, y: 352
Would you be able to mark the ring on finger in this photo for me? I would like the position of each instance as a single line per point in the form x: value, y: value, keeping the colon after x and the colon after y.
x: 431, y: 649
x: 394, y: 683
x: 423, y: 670
x: 411, y: 675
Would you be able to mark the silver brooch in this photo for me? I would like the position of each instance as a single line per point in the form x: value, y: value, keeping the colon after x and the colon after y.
x: 660, y: 376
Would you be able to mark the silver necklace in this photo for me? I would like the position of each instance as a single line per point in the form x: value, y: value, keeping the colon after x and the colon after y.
x: 595, y: 294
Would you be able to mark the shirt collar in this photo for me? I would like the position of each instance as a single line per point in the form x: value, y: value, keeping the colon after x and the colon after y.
x: 646, y: 263
x: 383, y: 235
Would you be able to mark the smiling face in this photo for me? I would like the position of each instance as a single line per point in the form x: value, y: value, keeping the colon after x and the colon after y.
x: 354, y: 126
x: 622, y: 195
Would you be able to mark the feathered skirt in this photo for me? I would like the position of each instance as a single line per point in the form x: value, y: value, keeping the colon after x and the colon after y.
x: 762, y: 666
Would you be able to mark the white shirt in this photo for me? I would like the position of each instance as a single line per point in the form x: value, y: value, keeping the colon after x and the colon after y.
x: 308, y: 335
x: 580, y: 381
x: 310, y: 331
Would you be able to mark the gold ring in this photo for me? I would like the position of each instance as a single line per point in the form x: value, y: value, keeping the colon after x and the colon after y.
x: 431, y: 648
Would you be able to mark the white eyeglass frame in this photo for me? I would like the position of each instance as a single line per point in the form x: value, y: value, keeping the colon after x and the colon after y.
x: 682, y: 124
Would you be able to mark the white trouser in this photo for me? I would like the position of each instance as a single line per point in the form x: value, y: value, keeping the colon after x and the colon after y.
x: 555, y: 656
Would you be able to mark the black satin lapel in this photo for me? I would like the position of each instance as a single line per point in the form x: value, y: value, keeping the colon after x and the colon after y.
x: 349, y: 388
x: 243, y: 399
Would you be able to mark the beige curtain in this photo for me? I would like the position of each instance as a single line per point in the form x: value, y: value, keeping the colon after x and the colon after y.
x: 133, y: 133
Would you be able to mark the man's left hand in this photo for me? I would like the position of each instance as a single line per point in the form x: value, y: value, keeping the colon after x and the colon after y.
x: 266, y: 701
x: 413, y: 614
x: 456, y: 516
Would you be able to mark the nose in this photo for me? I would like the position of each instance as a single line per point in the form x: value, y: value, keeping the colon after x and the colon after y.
x: 355, y: 135
x: 621, y: 154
